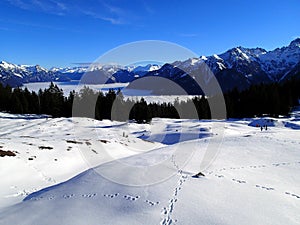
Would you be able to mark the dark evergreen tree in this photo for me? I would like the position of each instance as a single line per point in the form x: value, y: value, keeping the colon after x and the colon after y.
x: 264, y: 99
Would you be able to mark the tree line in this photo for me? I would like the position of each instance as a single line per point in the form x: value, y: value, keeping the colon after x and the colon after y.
x: 272, y: 99
x: 265, y: 99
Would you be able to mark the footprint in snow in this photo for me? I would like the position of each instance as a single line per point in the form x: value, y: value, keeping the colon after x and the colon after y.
x: 176, y: 191
x: 111, y: 196
x: 164, y: 211
x: 65, y: 196
x: 151, y: 203
x: 266, y: 188
x: 131, y: 198
x: 181, y: 182
x: 89, y: 195
x: 291, y: 194
x: 36, y: 198
x: 239, y: 181
x: 219, y: 176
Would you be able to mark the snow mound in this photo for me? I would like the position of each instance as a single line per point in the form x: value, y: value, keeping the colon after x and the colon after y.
x: 170, y: 133
x: 293, y: 125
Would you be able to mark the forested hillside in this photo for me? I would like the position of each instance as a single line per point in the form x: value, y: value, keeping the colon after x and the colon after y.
x: 265, y: 99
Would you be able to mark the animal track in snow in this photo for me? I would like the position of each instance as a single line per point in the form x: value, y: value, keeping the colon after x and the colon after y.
x: 258, y: 166
x: 167, y: 211
x: 282, y: 164
x: 151, y: 203
x: 239, y: 181
x: 219, y: 176
x: 131, y: 198
x: 50, y: 197
x: 291, y: 194
x: 89, y: 195
x: 36, y: 198
x: 66, y: 196
x: 255, y: 166
x: 111, y: 196
x: 266, y: 188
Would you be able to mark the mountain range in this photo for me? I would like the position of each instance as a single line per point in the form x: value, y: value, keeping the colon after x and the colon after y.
x: 238, y: 67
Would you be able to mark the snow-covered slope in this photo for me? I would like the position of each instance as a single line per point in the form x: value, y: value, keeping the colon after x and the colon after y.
x: 49, y: 151
x: 253, y: 180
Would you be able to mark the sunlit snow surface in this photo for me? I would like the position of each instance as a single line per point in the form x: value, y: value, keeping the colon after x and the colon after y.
x: 254, y: 179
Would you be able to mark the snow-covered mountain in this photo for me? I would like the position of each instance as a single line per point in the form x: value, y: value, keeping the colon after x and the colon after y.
x: 78, y: 69
x: 238, y: 67
x: 112, y: 73
x: 274, y: 63
x: 16, y: 75
x: 241, y: 67
x: 142, y: 70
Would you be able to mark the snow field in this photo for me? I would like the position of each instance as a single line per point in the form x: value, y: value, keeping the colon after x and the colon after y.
x: 253, y: 180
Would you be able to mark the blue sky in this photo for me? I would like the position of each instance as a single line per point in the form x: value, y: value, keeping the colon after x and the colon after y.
x: 64, y: 32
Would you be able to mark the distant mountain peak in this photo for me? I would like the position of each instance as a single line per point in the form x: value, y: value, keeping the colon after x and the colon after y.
x: 237, y: 67
x: 7, y: 65
x: 295, y: 43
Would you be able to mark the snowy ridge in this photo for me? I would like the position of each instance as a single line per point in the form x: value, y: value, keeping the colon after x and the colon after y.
x: 256, y: 64
x: 272, y: 62
x: 79, y: 69
x: 17, y: 75
x: 237, y: 67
